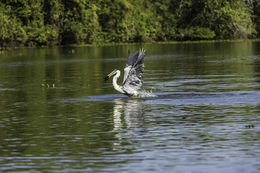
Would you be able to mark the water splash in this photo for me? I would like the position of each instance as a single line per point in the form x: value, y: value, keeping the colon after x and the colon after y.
x: 145, y: 94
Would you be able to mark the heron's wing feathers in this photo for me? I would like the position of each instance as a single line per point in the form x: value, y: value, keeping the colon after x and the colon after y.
x: 131, y: 58
x: 129, y: 64
x: 140, y: 57
x: 133, y: 72
x: 135, y: 77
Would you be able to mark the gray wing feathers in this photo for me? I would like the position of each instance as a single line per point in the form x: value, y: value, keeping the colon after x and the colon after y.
x: 134, y: 69
x: 140, y: 57
x: 135, y: 77
x: 131, y: 59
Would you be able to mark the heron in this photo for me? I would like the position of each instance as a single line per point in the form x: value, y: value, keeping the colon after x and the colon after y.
x: 133, y: 76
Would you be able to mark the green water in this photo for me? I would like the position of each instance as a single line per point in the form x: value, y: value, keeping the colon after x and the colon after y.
x: 58, y: 115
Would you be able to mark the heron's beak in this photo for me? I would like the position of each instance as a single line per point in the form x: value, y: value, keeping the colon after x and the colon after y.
x: 110, y: 75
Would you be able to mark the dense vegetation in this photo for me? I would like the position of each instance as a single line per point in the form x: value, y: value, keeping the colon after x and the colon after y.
x: 51, y: 22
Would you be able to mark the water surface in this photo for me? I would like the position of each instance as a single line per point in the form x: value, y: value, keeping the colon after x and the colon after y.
x: 58, y: 115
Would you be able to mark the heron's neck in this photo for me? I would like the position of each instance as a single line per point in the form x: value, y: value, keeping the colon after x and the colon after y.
x: 116, y: 86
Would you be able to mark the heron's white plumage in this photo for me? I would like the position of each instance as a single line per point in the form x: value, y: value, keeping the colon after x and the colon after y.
x: 133, y: 76
x: 126, y: 72
x: 116, y: 86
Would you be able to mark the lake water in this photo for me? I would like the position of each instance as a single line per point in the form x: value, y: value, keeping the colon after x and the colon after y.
x: 58, y: 115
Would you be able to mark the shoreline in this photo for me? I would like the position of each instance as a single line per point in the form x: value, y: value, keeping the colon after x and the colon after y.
x: 7, y: 48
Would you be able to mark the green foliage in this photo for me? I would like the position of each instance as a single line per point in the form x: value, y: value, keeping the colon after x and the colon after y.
x: 11, y: 29
x: 196, y: 33
x: 256, y: 17
x: 81, y: 22
x: 50, y: 22
x: 234, y: 21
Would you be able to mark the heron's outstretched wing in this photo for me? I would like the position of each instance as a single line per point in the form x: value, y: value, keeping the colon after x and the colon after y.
x: 133, y: 72
x: 129, y: 64
x: 131, y: 58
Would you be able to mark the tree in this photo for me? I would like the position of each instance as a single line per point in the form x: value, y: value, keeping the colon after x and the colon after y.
x: 51, y: 22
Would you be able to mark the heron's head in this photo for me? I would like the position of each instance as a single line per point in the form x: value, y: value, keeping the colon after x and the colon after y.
x: 110, y: 74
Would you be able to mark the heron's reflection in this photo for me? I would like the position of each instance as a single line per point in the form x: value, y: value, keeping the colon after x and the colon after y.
x: 128, y: 112
x: 127, y: 117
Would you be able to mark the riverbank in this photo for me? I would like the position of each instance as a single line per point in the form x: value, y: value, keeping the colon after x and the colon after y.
x: 8, y: 48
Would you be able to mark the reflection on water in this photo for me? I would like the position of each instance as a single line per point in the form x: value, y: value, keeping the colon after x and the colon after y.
x: 130, y: 111
x: 127, y: 114
x: 206, y: 115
